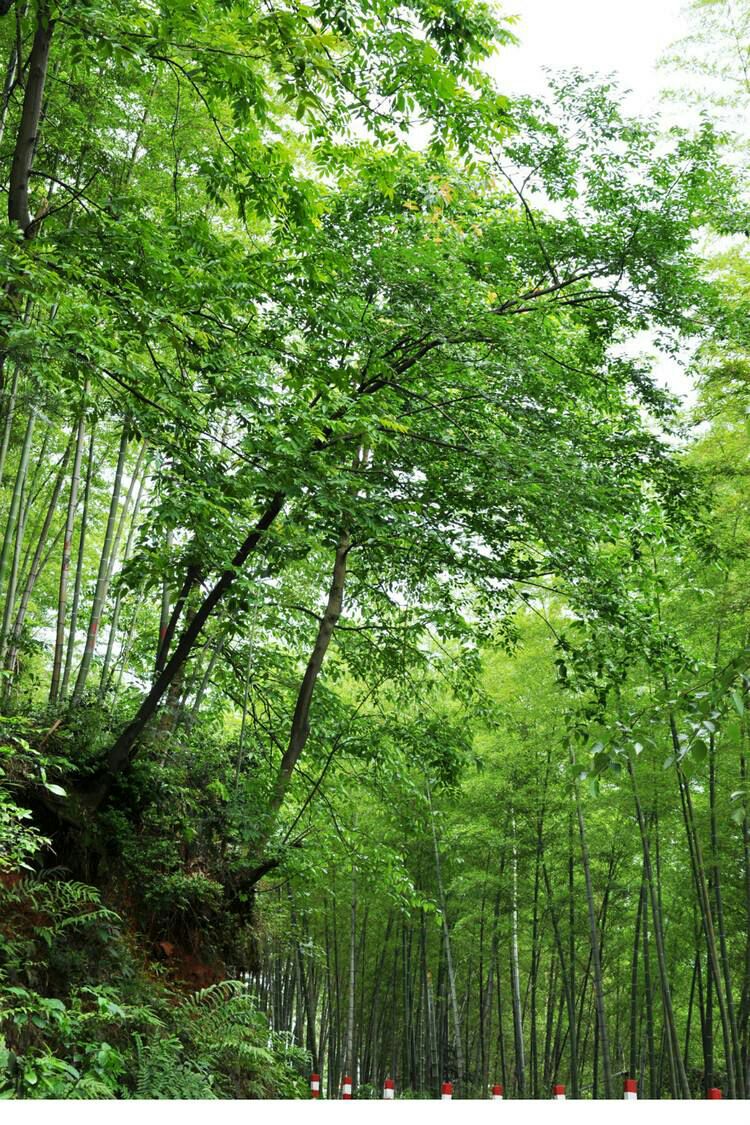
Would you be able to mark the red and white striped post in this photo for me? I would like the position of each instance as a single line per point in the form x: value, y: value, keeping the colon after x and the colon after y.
x: 314, y: 1085
x: 497, y: 1093
x: 558, y: 1093
x: 389, y: 1089
x: 446, y: 1092
x: 630, y: 1091
x: 714, y: 1094
x: 346, y: 1087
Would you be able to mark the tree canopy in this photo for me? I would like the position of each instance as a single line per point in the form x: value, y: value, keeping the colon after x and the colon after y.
x: 373, y: 654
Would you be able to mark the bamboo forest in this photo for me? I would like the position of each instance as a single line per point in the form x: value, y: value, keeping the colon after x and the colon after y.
x: 374, y: 556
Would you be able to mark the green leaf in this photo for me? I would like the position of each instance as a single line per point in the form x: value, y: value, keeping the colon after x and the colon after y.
x: 56, y: 789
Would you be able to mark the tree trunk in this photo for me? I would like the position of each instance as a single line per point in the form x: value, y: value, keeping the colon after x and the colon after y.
x: 125, y: 746
x: 62, y: 597
x: 568, y: 986
x: 35, y: 568
x: 520, y: 1069
x: 15, y: 505
x: 448, y: 951
x: 633, y: 1027
x: 79, y: 571
x: 105, y: 571
x: 28, y: 130
x: 349, y: 1060
x: 680, y: 1075
x: 595, y: 948
x: 8, y: 421
x: 103, y: 683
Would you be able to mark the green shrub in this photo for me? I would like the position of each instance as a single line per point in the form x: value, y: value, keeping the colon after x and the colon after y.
x: 83, y: 1014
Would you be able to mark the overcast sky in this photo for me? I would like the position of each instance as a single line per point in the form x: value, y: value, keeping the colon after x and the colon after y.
x: 627, y: 36
x: 604, y: 36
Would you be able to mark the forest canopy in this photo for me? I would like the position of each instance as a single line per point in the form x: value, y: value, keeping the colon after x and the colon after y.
x: 374, y: 646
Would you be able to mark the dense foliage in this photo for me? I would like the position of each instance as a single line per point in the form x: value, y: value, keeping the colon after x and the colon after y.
x: 374, y: 639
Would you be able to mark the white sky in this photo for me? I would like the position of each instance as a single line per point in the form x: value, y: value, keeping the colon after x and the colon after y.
x: 626, y: 37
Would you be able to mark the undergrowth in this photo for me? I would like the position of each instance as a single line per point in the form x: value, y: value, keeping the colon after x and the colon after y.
x: 85, y: 1013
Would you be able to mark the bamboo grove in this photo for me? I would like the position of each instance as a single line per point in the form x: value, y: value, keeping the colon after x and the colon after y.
x: 374, y: 653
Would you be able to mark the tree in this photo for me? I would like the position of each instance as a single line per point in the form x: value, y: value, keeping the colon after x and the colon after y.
x: 403, y: 669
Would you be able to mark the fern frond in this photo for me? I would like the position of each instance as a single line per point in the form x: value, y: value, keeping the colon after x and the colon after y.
x: 214, y: 994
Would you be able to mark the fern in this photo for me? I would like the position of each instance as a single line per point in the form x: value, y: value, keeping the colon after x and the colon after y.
x: 222, y: 1024
x: 163, y: 1072
x: 90, y: 1088
x: 65, y: 903
x: 215, y: 994
x: 137, y: 1040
